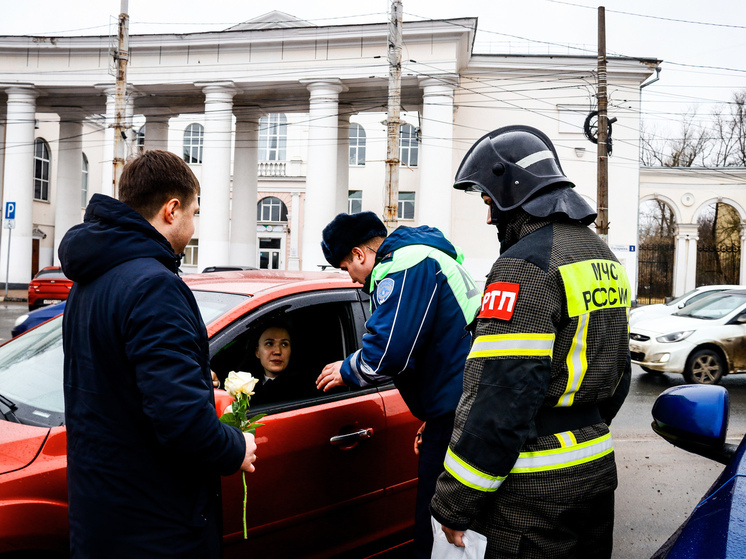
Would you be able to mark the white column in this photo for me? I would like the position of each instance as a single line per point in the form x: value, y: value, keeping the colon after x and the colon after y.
x: 18, y: 179
x: 680, y: 258
x: 156, y: 132
x: 214, y: 230
x: 69, y: 176
x: 691, y: 264
x: 294, y: 224
x: 245, y: 172
x: 321, y: 174
x: 3, y: 118
x: 436, y: 155
x: 107, y: 169
x: 343, y: 162
x: 742, y: 273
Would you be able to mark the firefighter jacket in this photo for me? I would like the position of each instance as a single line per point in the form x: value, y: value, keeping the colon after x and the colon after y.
x: 548, y: 370
x: 421, y: 301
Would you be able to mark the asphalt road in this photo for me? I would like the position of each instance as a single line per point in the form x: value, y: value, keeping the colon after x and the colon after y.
x: 659, y: 484
x: 9, y: 311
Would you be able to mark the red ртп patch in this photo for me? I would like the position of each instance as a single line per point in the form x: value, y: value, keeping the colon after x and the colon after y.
x: 499, y: 300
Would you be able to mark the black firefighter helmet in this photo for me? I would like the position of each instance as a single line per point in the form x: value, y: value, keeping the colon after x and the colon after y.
x: 517, y: 166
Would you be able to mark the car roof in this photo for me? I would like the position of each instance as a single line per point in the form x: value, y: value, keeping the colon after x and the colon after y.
x: 254, y: 282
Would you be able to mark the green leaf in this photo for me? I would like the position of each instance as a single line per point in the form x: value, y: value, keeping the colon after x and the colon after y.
x: 257, y: 417
x: 229, y: 419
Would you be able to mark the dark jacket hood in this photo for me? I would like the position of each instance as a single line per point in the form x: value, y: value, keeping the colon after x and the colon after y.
x: 423, y: 235
x: 111, y: 233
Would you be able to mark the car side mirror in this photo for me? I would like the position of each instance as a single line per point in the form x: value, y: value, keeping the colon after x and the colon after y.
x: 741, y: 319
x: 695, y: 418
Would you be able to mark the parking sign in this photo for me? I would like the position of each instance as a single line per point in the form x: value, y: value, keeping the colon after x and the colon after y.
x: 10, y: 210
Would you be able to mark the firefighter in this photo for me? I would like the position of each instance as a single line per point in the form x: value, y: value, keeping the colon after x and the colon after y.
x: 531, y: 461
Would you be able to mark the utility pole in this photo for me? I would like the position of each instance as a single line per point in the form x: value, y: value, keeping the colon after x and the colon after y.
x: 391, y: 200
x: 121, y: 56
x: 602, y: 191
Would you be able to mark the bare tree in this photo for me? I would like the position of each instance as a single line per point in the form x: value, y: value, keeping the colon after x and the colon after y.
x: 721, y: 142
x: 692, y: 147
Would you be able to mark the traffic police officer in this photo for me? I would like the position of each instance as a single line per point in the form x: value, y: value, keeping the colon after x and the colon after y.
x: 421, y: 301
x: 531, y: 461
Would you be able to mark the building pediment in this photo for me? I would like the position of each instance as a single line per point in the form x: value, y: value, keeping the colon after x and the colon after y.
x: 271, y: 20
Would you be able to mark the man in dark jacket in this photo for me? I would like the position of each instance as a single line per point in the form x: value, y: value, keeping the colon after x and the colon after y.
x: 421, y: 301
x: 145, y: 447
x: 531, y: 463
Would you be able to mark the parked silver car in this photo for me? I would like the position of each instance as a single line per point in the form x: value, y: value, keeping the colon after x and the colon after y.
x: 703, y: 341
x: 664, y: 309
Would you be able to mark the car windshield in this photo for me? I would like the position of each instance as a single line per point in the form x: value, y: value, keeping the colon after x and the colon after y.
x: 31, y: 365
x: 714, y: 307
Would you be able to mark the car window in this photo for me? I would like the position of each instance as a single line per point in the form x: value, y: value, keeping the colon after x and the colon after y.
x: 714, y: 307
x: 212, y: 305
x: 323, y: 329
x: 31, y: 368
x: 700, y: 296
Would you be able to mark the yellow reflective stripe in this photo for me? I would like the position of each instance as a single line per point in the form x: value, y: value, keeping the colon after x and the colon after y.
x: 469, y: 475
x: 577, y: 362
x: 525, y: 345
x: 557, y: 458
x: 566, y: 439
x: 591, y: 285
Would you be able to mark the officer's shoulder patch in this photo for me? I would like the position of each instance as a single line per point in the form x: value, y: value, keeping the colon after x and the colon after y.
x: 499, y: 300
x: 384, y: 289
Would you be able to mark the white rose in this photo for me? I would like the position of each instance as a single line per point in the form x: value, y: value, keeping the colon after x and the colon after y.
x: 240, y: 383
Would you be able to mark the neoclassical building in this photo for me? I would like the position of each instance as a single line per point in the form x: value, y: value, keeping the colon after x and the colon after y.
x: 282, y: 122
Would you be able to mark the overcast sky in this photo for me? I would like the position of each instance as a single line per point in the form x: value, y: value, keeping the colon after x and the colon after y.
x: 700, y: 41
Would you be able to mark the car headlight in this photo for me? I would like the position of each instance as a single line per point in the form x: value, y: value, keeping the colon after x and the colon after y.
x: 674, y: 336
x: 20, y: 320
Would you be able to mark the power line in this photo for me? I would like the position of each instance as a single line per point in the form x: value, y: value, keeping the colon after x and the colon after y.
x: 652, y: 17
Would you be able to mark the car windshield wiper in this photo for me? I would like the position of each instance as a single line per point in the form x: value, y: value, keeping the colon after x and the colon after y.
x: 12, y: 407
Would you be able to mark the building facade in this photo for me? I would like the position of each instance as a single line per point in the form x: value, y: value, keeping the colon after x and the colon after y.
x: 283, y: 123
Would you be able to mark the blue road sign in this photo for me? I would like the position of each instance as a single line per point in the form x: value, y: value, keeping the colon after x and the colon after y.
x: 10, y: 210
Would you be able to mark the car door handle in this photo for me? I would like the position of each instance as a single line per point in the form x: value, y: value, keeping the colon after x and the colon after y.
x: 350, y: 438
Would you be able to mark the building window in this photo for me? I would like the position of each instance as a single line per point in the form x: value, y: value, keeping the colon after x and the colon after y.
x: 193, y: 141
x: 191, y: 253
x: 41, y: 170
x: 354, y: 201
x: 273, y: 137
x: 405, y: 207
x: 408, y: 147
x: 269, y: 253
x: 271, y: 209
x: 140, y: 139
x: 357, y: 145
x: 84, y: 183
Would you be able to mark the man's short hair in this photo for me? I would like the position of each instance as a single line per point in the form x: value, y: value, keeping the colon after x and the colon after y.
x: 345, y: 232
x: 153, y: 178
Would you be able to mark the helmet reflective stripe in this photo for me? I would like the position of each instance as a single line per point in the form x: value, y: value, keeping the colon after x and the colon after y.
x: 469, y: 475
x: 535, y: 158
x: 557, y: 458
x: 528, y: 345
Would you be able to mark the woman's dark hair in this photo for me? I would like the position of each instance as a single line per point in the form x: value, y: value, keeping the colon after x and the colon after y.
x: 275, y: 324
x: 153, y: 178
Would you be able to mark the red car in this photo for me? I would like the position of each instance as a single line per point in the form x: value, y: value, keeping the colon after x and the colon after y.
x: 49, y: 286
x: 335, y: 474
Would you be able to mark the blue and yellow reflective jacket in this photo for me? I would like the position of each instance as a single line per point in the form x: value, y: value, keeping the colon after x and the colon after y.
x: 421, y: 301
